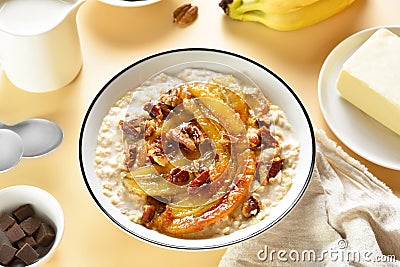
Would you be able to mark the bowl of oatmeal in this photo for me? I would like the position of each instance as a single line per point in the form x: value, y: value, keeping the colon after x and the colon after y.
x: 196, y: 149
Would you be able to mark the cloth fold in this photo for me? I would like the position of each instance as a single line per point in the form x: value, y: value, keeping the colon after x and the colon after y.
x: 347, y: 217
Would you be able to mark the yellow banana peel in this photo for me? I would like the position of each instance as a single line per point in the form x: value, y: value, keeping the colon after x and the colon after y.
x: 284, y: 15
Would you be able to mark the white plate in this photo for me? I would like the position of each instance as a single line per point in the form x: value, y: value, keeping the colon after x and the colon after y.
x: 134, y: 75
x: 125, y: 3
x: 358, y: 131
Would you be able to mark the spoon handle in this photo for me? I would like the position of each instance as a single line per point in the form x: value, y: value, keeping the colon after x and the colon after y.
x: 2, y: 125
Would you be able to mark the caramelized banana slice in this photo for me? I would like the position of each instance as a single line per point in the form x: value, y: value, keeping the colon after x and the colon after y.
x: 180, y: 221
x: 169, y: 224
x: 150, y: 182
x: 132, y: 186
x: 218, y: 92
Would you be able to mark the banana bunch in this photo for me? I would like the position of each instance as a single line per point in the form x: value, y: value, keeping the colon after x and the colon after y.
x: 283, y: 15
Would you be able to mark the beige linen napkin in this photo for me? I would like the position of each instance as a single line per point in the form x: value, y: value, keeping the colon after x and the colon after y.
x: 347, y: 217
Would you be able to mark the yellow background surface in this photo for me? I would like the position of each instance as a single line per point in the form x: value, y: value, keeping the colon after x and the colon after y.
x: 113, y: 38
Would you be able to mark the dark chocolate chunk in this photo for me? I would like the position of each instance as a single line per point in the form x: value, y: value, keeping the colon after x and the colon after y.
x: 6, y: 221
x: 45, y: 235
x: 15, y: 233
x: 27, y: 254
x: 24, y: 212
x: 6, y: 254
x: 27, y: 240
x: 30, y: 225
x: 4, y: 239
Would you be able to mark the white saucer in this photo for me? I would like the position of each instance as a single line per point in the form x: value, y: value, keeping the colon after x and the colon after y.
x: 361, y: 133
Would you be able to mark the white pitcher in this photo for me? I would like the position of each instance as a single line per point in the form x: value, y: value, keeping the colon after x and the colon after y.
x: 39, y: 43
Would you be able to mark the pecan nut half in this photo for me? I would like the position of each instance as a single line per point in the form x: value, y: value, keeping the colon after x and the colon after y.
x: 185, y: 14
x: 275, y: 166
x: 182, y: 138
x: 178, y: 176
x: 195, y: 133
x: 149, y: 211
x: 196, y: 183
x: 251, y: 207
x: 254, y: 137
x: 155, y: 152
x: 150, y: 128
x: 157, y: 111
x: 130, y: 156
x: 131, y: 128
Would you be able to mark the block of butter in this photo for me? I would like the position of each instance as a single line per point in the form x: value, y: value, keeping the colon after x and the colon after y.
x: 370, y: 78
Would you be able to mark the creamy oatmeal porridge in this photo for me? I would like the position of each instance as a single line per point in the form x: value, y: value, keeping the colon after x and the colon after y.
x: 195, y: 155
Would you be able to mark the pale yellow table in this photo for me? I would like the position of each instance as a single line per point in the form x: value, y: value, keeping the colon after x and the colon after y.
x: 112, y: 38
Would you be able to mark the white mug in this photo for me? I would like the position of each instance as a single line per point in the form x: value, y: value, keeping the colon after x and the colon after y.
x: 39, y: 43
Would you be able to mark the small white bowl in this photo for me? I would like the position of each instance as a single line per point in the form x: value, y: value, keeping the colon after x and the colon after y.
x: 125, y: 3
x: 45, y: 206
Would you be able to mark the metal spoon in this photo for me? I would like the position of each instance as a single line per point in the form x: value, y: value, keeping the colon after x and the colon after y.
x: 11, y: 149
x: 39, y: 136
